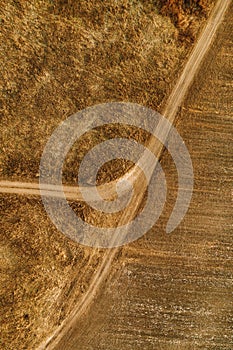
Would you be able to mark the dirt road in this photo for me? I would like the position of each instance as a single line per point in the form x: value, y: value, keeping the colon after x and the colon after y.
x: 67, y: 333
x: 175, y: 292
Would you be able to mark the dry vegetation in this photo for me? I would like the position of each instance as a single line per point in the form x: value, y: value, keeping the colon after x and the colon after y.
x: 58, y: 57
x: 184, y: 12
x: 39, y: 269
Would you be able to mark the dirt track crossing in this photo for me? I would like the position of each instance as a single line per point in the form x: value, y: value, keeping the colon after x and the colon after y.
x: 174, y: 101
x: 173, y: 104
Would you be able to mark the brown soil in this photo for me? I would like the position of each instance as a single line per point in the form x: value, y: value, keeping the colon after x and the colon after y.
x: 57, y: 59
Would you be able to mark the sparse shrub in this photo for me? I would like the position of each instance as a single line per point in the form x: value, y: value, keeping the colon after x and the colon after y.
x: 182, y: 13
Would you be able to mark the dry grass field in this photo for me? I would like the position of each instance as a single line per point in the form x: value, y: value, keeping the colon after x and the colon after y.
x: 163, y: 292
x: 60, y: 57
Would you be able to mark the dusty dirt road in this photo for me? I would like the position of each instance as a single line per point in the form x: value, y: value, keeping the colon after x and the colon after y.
x: 69, y: 335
